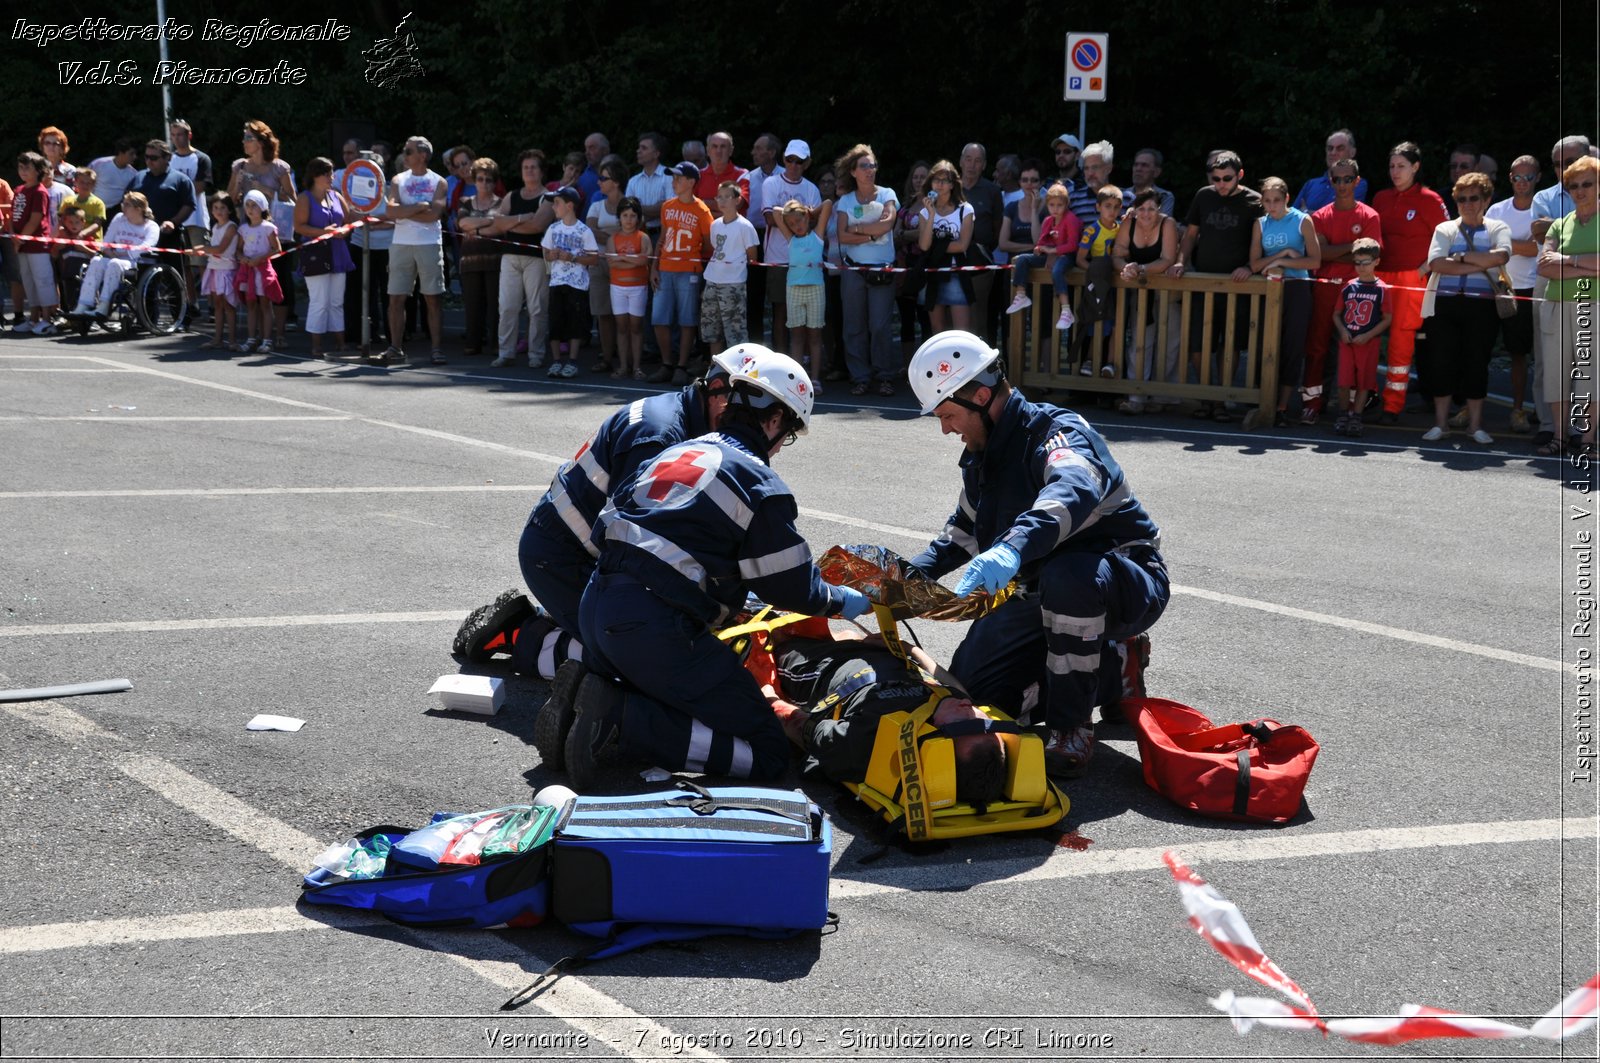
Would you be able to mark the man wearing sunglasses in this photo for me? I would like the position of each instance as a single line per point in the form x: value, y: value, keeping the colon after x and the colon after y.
x: 171, y: 196
x: 1319, y: 191
x: 1068, y: 151
x: 1339, y: 225
x: 1216, y: 239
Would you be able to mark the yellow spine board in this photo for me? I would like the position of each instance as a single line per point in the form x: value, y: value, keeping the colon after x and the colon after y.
x: 911, y: 779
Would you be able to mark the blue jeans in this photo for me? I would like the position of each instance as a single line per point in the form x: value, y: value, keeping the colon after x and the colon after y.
x: 1022, y: 265
x: 677, y: 300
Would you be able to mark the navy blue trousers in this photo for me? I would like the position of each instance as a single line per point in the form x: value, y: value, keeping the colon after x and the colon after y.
x: 690, y: 705
x: 1063, y: 634
x: 556, y: 569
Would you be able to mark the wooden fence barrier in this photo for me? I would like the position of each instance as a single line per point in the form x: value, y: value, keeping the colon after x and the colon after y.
x: 1143, y: 347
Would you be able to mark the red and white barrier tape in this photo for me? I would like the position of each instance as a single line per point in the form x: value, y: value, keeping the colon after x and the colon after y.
x: 1220, y: 922
x: 100, y: 245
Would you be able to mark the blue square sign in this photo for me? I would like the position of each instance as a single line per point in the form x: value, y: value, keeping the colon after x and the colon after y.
x: 1075, y: 83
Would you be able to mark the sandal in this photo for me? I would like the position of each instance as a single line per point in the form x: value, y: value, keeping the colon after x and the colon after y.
x: 859, y: 388
x: 1550, y: 449
x: 640, y: 374
x: 1206, y: 411
x: 886, y: 388
x: 439, y: 358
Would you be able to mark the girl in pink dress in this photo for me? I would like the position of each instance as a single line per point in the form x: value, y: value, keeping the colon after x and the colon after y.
x: 258, y: 281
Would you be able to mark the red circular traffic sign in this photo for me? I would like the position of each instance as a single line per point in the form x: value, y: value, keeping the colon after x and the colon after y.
x: 1086, y: 55
x: 363, y: 185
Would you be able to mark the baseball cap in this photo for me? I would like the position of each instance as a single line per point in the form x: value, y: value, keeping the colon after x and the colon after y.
x: 570, y: 194
x: 1069, y: 139
x: 798, y: 148
x: 685, y: 169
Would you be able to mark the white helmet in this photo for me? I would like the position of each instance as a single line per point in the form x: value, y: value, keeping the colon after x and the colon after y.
x: 947, y: 362
x: 773, y: 374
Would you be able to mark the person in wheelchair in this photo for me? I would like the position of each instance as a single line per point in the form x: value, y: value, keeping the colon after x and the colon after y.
x: 106, y: 270
x: 832, y: 693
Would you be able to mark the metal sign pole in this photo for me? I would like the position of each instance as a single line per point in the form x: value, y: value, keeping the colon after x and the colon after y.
x: 366, y: 292
x: 1083, y: 123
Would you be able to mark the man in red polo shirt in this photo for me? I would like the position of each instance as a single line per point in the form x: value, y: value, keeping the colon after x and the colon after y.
x: 719, y: 149
x: 1339, y: 225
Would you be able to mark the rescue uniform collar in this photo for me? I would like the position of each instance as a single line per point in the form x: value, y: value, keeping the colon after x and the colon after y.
x: 1000, y: 428
x: 746, y: 439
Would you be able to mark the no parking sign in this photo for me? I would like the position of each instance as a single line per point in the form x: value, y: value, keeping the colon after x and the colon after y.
x: 1086, y: 67
x: 363, y: 185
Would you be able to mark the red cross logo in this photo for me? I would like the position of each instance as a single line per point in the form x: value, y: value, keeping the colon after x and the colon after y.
x: 681, y: 471
x: 944, y: 368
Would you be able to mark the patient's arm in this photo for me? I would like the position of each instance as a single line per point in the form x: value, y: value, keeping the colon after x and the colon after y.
x: 790, y: 715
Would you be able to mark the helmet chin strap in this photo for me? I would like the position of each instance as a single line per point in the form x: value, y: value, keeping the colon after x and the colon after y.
x: 983, y: 410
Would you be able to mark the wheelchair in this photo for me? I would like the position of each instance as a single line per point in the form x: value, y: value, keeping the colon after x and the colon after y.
x: 151, y: 297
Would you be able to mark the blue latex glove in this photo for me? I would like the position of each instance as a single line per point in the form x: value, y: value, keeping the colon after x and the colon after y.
x: 990, y: 570
x: 855, y: 603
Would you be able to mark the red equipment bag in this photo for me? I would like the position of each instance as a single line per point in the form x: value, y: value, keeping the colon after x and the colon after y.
x: 1255, y: 772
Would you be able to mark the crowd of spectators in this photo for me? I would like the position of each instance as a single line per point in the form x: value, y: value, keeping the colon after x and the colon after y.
x: 558, y: 252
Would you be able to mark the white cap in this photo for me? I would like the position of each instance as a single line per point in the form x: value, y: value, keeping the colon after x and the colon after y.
x: 258, y: 197
x: 799, y: 149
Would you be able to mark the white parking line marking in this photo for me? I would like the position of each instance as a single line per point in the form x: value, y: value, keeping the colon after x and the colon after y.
x: 505, y: 964
x: 1492, y: 652
x: 191, y: 926
x: 229, y: 388
x: 206, y: 492
x: 112, y: 627
x: 148, y: 419
x: 221, y: 809
x: 1064, y: 863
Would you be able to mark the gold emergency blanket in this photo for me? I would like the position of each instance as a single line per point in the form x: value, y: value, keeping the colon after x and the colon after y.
x: 888, y: 579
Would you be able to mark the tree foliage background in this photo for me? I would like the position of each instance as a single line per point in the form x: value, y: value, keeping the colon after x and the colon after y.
x: 1268, y: 78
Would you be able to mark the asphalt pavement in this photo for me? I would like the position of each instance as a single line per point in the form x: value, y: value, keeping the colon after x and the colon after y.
x: 267, y: 534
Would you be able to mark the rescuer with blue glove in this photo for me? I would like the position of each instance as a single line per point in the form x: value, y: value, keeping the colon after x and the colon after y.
x: 1045, y: 503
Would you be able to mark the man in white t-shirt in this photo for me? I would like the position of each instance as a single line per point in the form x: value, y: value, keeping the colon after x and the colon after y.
x: 416, y: 201
x: 788, y: 183
x: 115, y: 173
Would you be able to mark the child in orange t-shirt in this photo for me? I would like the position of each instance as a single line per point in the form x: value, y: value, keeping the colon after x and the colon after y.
x: 629, y: 251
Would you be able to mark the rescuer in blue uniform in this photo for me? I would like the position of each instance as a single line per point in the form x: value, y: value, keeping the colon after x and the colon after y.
x: 681, y: 546
x: 1044, y: 501
x: 557, y: 555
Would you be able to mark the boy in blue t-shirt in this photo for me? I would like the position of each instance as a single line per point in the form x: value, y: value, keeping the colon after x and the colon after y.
x: 1362, y: 315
